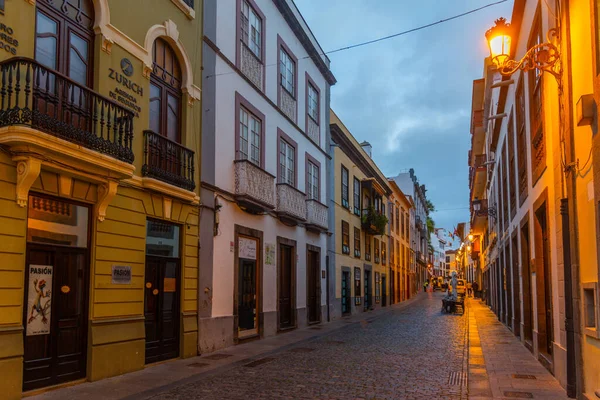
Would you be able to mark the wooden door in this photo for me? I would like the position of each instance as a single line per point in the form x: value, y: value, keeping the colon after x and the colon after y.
x: 345, y: 292
x: 247, y: 317
x: 383, y: 291
x: 367, y: 289
x: 312, y: 272
x: 161, y: 308
x: 56, y: 352
x: 285, y: 286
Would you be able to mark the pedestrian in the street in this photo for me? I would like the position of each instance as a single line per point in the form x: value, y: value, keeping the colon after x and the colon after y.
x: 425, y: 286
x: 475, y: 288
x: 469, y: 289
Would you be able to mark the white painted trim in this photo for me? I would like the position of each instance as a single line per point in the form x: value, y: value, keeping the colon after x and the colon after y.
x: 168, y: 31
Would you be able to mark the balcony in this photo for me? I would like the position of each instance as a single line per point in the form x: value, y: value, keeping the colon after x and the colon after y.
x: 254, y: 187
x: 316, y: 216
x: 291, y: 204
x: 42, y: 99
x: 421, y: 257
x: 480, y: 160
x: 168, y: 161
x: 373, y: 222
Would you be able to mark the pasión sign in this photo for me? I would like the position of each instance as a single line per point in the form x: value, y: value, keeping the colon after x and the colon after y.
x: 119, y: 94
x: 39, y: 300
x: 121, y: 274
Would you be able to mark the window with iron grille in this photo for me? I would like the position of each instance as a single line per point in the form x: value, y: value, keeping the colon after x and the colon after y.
x: 345, y: 238
x: 376, y: 248
x: 521, y: 141
x: 251, y: 29
x: 356, y: 242
x: 383, y: 253
x: 345, y: 183
x: 536, y: 125
x: 367, y: 247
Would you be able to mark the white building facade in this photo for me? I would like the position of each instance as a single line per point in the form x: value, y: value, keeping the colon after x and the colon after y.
x: 265, y: 122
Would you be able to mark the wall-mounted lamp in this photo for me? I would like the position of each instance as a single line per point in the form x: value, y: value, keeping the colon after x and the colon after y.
x: 542, y: 56
x: 488, y: 211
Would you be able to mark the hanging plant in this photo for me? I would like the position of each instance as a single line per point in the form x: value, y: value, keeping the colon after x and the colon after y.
x: 374, y: 222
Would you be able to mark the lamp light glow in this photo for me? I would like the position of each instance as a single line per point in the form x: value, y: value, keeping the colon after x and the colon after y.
x: 499, y: 41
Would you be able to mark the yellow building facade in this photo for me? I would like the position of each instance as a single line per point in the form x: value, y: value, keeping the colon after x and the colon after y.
x: 400, y: 251
x: 359, y: 246
x: 99, y: 210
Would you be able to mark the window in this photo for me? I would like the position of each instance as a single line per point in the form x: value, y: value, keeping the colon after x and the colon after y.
x: 313, y: 103
x: 534, y: 78
x: 406, y: 226
x: 398, y: 255
x: 367, y: 247
x: 357, y: 289
x: 383, y: 253
x: 356, y: 242
x: 392, y: 218
x: 376, y: 247
x: 251, y: 29
x: 345, y: 238
x: 590, y: 312
x: 402, y: 224
x: 287, y: 72
x: 249, y: 137
x: 165, y: 92
x: 521, y: 141
x: 447, y: 259
x: 356, y: 195
x: 392, y: 253
x: 287, y: 156
x: 398, y: 215
x: 512, y: 167
x: 345, y: 183
x: 312, y: 179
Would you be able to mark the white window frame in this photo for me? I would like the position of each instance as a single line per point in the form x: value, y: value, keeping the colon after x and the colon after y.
x: 287, y: 161
x: 254, y: 29
x: 287, y: 72
x: 250, y: 140
x: 313, y: 103
x: 312, y: 190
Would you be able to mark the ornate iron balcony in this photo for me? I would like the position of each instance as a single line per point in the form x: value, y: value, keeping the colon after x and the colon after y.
x: 316, y: 216
x: 291, y: 203
x: 41, y: 98
x: 254, y: 187
x: 168, y: 161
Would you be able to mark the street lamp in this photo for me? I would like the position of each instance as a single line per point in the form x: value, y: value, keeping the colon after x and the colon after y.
x: 488, y: 211
x: 471, y: 237
x: 543, y: 56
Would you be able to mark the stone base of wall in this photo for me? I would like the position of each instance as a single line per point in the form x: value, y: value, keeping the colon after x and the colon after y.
x: 215, y: 333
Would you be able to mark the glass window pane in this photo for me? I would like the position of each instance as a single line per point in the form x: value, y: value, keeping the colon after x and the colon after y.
x: 172, y: 118
x: 56, y: 222
x: 155, y: 106
x: 162, y: 239
x: 45, y: 47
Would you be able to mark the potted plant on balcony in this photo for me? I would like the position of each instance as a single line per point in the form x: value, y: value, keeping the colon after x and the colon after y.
x: 374, y: 221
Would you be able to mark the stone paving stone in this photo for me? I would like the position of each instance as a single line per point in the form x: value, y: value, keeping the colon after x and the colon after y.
x: 504, y: 356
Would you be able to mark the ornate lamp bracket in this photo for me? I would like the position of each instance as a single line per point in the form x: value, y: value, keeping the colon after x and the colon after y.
x: 543, y: 56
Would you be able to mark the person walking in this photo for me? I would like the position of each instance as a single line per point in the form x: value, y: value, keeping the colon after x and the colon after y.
x: 469, y: 289
x: 475, y: 288
x: 425, y: 286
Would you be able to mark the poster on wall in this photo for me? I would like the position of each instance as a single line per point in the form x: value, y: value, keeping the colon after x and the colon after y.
x: 247, y: 249
x: 39, y: 300
x: 270, y: 253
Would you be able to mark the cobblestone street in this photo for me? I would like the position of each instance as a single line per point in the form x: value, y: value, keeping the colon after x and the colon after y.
x: 404, y: 354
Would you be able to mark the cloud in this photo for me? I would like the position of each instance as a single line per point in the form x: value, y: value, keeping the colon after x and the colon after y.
x: 409, y: 96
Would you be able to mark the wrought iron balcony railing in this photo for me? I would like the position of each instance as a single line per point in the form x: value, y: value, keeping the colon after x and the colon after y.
x: 254, y: 187
x: 168, y: 161
x: 41, y: 98
x: 291, y: 203
x: 316, y: 215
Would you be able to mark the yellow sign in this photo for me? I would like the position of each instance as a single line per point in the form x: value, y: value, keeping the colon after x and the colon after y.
x: 65, y: 289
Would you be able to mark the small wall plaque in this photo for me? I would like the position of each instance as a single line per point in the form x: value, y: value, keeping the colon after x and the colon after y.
x: 121, y: 274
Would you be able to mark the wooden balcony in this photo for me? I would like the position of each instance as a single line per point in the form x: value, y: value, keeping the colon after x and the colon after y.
x: 168, y: 161
x: 291, y: 204
x: 316, y: 216
x: 254, y: 187
x: 35, y: 96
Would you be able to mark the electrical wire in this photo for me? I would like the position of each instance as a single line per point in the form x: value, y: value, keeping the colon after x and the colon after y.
x: 395, y: 35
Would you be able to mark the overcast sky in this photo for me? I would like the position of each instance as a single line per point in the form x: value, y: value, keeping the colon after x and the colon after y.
x: 409, y: 96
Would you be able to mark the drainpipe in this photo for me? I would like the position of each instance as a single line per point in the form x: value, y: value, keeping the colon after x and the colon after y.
x: 569, y: 326
x: 327, y: 284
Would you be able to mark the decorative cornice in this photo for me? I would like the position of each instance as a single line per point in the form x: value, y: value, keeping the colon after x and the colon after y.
x: 298, y: 30
x: 355, y: 155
